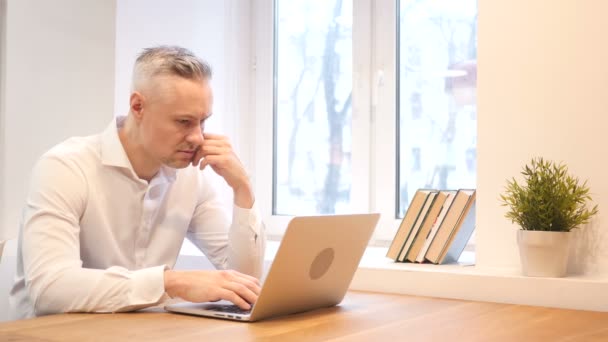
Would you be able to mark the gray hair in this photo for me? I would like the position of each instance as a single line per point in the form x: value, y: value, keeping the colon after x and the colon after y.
x: 171, y: 61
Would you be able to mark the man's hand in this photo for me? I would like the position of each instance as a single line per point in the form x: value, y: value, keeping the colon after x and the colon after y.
x: 210, y: 286
x: 216, y: 151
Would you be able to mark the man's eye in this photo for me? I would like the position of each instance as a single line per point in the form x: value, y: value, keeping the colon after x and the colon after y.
x: 184, y: 122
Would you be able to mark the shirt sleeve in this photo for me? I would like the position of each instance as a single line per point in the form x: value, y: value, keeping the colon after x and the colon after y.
x: 237, y: 245
x: 55, y: 280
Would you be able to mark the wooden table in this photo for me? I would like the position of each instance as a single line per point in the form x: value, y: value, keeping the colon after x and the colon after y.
x: 362, y: 316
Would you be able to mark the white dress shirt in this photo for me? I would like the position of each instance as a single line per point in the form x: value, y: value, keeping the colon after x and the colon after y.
x: 96, y: 238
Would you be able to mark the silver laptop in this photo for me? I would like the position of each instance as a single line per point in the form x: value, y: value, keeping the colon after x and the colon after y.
x: 312, y: 269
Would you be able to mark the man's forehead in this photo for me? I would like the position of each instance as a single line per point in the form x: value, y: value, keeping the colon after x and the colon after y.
x: 180, y: 92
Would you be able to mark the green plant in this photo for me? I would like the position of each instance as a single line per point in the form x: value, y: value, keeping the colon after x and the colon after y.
x: 549, y: 199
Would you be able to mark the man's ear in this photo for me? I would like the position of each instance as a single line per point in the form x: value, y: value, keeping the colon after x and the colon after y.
x: 136, y: 103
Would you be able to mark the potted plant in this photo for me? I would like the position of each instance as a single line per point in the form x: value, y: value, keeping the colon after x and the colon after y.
x: 546, y: 206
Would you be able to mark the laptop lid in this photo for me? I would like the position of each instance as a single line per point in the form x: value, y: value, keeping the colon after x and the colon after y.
x: 313, y: 267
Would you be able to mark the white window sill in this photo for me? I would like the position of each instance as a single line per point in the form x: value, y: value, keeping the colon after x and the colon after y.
x: 465, y: 281
x: 469, y: 282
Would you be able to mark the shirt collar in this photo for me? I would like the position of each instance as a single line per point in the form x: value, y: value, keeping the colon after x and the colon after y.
x: 114, y: 154
x: 112, y: 151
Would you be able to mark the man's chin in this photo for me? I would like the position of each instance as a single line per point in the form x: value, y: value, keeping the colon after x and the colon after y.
x: 178, y: 164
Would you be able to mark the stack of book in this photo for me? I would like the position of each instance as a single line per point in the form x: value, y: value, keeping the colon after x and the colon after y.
x: 436, y: 227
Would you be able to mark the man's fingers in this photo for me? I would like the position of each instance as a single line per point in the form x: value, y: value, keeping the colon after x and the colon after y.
x: 252, y: 279
x: 197, y: 157
x: 216, y: 142
x: 250, y: 282
x: 215, y: 150
x: 231, y: 296
x: 213, y: 136
x: 255, y: 288
x: 242, y: 291
x: 204, y: 164
x: 252, y: 286
x: 213, y: 160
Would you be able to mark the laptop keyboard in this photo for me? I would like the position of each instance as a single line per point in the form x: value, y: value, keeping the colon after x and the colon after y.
x: 230, y: 308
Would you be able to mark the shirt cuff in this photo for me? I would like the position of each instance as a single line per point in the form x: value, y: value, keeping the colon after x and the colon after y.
x: 247, y: 217
x: 149, y: 285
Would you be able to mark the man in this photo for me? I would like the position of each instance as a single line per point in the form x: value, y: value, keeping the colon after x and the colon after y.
x: 106, y: 215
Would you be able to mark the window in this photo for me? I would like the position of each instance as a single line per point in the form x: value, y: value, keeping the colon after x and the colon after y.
x: 312, y: 117
x: 437, y: 83
x: 371, y: 100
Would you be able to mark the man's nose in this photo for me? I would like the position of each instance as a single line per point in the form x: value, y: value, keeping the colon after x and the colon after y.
x: 196, y: 136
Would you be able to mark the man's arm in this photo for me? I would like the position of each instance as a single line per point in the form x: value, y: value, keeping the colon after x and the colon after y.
x: 232, y: 248
x: 55, y: 279
x: 245, y: 249
x: 238, y: 245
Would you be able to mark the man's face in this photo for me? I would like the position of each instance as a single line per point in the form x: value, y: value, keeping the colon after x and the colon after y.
x: 172, y: 124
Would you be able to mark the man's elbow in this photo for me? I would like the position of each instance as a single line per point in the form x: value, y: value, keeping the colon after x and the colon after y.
x: 45, y: 301
x: 49, y: 295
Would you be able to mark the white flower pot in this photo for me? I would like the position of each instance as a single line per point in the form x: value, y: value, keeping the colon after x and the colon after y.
x: 543, y: 253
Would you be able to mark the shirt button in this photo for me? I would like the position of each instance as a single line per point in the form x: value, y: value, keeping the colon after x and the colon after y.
x: 154, y: 192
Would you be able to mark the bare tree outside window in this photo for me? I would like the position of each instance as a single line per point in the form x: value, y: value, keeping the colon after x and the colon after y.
x: 437, y: 92
x: 313, y: 75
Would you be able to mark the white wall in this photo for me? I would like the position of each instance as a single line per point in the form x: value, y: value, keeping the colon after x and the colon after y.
x: 543, y: 91
x: 3, y: 233
x: 58, y: 75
